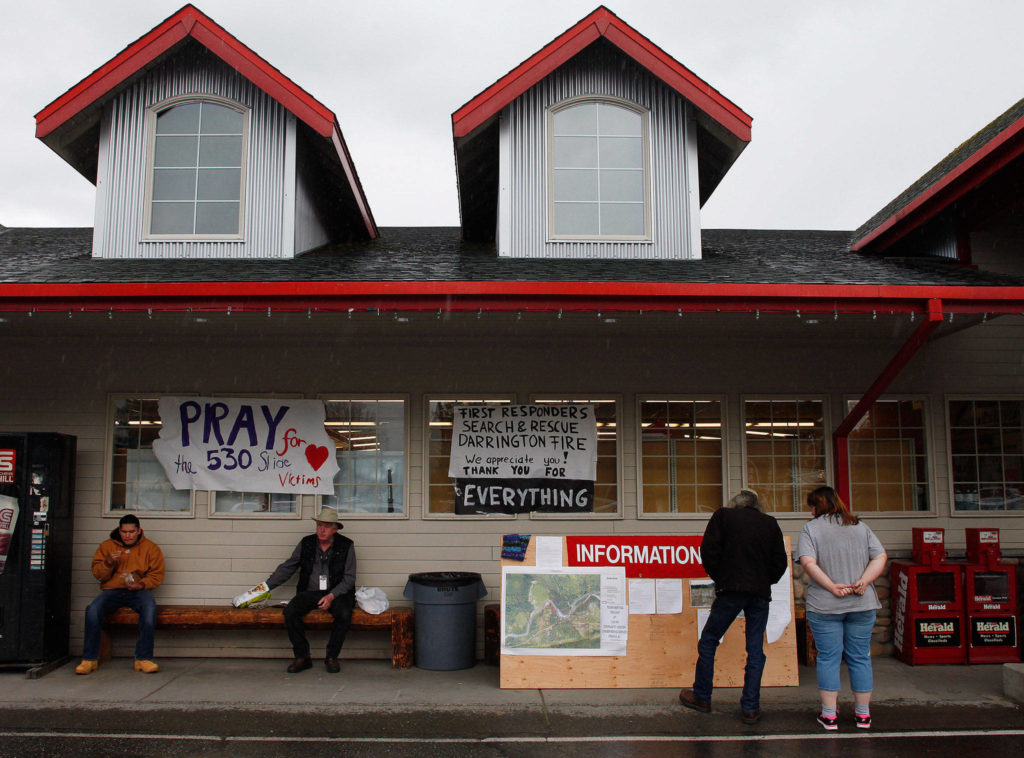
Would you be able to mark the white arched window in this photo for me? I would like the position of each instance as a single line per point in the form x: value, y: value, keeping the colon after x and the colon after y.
x: 597, y: 170
x: 196, y: 180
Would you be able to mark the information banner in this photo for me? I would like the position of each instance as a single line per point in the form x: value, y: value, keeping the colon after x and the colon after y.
x: 639, y: 556
x: 246, y: 445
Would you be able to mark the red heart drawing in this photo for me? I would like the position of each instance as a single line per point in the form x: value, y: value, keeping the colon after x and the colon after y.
x: 316, y: 456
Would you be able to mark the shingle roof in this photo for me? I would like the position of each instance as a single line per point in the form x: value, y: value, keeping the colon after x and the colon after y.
x: 36, y: 255
x: 988, y: 139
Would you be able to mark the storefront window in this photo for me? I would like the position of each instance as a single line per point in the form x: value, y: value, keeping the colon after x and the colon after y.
x: 785, y: 450
x: 889, y: 458
x: 137, y: 480
x: 440, y: 415
x: 986, y: 446
x: 239, y: 503
x: 606, y: 486
x: 369, y: 438
x: 681, y: 454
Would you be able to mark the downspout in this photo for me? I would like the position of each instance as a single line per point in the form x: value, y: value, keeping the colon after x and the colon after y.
x: 840, y: 447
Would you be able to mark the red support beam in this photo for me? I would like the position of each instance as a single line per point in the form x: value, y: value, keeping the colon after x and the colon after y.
x: 933, y: 318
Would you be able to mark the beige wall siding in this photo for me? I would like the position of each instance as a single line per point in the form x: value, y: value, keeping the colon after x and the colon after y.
x: 57, y: 374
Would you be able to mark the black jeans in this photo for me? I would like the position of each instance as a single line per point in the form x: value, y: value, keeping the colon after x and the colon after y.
x: 303, y: 603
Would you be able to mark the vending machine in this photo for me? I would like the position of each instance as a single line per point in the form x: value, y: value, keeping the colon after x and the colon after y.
x: 36, y: 497
x: 992, y: 606
x: 929, y: 617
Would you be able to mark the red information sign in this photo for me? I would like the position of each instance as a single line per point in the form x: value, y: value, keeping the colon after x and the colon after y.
x: 645, y: 557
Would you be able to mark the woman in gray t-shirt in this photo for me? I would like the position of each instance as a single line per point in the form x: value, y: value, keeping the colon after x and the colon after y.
x: 842, y: 557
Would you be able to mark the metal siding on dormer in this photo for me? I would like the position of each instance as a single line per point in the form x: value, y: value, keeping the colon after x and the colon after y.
x: 123, y: 178
x: 598, y: 72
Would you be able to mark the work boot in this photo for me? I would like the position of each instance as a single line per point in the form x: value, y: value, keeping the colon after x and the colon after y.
x: 87, y: 667
x: 687, y: 698
x: 146, y: 667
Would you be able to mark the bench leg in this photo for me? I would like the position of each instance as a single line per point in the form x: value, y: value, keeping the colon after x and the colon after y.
x: 401, y: 640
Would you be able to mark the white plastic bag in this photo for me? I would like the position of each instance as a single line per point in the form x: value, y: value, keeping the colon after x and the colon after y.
x: 256, y: 597
x: 372, y: 600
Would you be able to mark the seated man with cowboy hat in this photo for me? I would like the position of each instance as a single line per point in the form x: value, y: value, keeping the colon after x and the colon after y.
x: 326, y: 562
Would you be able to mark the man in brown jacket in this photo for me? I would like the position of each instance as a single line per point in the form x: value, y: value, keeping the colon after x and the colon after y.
x: 128, y: 566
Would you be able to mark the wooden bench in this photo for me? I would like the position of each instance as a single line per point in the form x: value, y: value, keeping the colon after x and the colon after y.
x: 399, y: 621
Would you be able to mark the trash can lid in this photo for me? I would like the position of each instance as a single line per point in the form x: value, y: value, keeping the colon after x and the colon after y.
x: 445, y: 578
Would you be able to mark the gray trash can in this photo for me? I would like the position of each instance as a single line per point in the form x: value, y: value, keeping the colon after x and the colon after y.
x: 444, y: 603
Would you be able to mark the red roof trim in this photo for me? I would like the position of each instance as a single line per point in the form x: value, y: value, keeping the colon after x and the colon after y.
x: 989, y: 159
x: 528, y: 296
x: 187, y: 22
x: 601, y: 23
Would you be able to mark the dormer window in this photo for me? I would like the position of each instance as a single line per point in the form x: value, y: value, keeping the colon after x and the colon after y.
x: 597, y: 170
x: 196, y: 172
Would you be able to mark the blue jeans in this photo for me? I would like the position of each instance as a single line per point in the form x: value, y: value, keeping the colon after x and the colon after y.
x: 843, y: 635
x: 108, y: 601
x: 724, y: 611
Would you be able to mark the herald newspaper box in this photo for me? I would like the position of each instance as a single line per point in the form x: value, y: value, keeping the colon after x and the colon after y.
x: 929, y: 618
x: 991, y: 595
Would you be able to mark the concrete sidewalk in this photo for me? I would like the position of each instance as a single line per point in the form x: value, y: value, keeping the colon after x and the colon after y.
x: 223, y: 699
x: 369, y: 686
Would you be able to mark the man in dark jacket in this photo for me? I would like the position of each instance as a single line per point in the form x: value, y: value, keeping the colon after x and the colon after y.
x: 743, y: 552
x: 326, y: 562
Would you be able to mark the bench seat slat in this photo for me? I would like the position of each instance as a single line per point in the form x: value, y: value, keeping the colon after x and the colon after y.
x: 208, y: 617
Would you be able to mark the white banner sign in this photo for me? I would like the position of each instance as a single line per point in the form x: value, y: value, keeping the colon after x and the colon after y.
x: 246, y: 445
x: 524, y: 442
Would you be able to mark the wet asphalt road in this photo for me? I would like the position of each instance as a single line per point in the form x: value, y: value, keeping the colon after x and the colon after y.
x: 915, y: 731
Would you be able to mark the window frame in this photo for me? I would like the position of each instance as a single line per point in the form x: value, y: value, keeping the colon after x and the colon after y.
x: 151, y: 117
x: 426, y: 398
x: 829, y: 474
x: 406, y: 453
x: 107, y: 511
x: 645, y: 135
x: 722, y: 400
x: 580, y: 398
x: 953, y: 511
x: 932, y: 512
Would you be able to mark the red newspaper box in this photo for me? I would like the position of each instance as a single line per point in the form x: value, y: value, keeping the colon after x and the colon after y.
x: 929, y: 617
x: 991, y: 594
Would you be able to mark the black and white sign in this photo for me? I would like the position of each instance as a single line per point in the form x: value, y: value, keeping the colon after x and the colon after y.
x: 524, y: 458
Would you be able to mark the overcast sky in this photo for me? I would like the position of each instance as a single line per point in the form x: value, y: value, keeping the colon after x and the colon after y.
x: 852, y: 100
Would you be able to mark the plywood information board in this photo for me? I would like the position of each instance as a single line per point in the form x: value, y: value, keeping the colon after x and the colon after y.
x: 661, y: 649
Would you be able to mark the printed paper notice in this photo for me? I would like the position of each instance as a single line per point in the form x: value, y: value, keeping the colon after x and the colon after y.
x: 563, y: 611
x: 779, y: 614
x: 669, y: 595
x: 703, y: 614
x: 549, y: 552
x: 641, y: 597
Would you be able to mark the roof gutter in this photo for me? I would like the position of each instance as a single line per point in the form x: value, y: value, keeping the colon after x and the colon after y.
x: 455, y: 296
